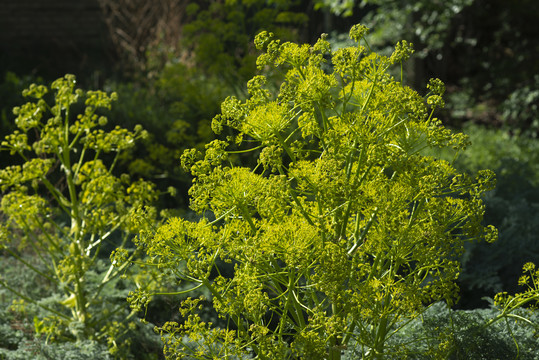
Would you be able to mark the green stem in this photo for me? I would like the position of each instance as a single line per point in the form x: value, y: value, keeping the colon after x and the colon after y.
x: 111, y: 274
x: 356, y: 182
x: 334, y: 343
x: 380, y: 337
x: 346, y: 99
x: 285, y: 146
x: 359, y: 238
x: 179, y: 292
x: 284, y: 315
x: 349, y: 333
x: 430, y: 115
x: 64, y: 153
x: 60, y: 199
x: 114, y: 161
x: 371, y: 90
x: 22, y: 296
x: 31, y: 267
x: 245, y: 150
x: 51, y: 240
x: 77, y: 167
x: 247, y: 216
x: 300, y: 206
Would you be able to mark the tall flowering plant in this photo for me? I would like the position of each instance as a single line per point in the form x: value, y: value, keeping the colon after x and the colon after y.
x: 340, y: 231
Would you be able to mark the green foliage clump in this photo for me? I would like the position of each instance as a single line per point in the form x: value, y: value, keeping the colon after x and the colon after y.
x: 340, y: 231
x: 64, y: 209
x: 511, y: 156
x: 464, y: 334
x: 219, y: 34
x: 507, y: 330
x: 338, y: 7
x: 20, y: 318
x: 520, y: 109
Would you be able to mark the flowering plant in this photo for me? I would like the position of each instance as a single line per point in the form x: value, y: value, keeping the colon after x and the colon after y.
x: 341, y: 232
x: 64, y: 204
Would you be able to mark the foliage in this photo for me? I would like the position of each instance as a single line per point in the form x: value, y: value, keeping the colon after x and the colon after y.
x: 340, y: 232
x: 510, y: 155
x: 63, y: 207
x: 463, y: 334
x: 175, y: 110
x: 507, y: 330
x: 154, y: 158
x: 338, y: 7
x: 422, y: 21
x: 139, y: 28
x: 219, y: 35
x: 490, y: 54
x: 501, y: 37
x: 19, y: 342
x: 18, y: 319
x: 491, y: 268
x: 520, y: 109
x: 212, y: 34
x: 82, y: 350
x: 484, y: 48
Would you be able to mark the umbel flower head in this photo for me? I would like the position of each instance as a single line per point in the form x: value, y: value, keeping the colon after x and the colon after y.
x: 339, y: 226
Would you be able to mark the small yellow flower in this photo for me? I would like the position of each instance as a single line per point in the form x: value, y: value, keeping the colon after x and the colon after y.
x: 523, y: 280
x: 529, y: 266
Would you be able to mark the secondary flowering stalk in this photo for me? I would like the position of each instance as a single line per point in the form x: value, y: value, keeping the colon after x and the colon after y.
x: 64, y: 203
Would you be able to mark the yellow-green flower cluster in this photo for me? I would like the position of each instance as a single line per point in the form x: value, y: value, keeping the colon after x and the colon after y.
x: 342, y: 227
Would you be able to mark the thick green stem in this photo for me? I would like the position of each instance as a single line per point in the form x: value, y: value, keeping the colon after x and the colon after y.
x: 247, y: 216
x: 360, y: 237
x: 380, y: 339
x: 76, y: 233
x: 300, y: 206
x: 356, y: 182
x: 284, y: 316
x: 334, y: 342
